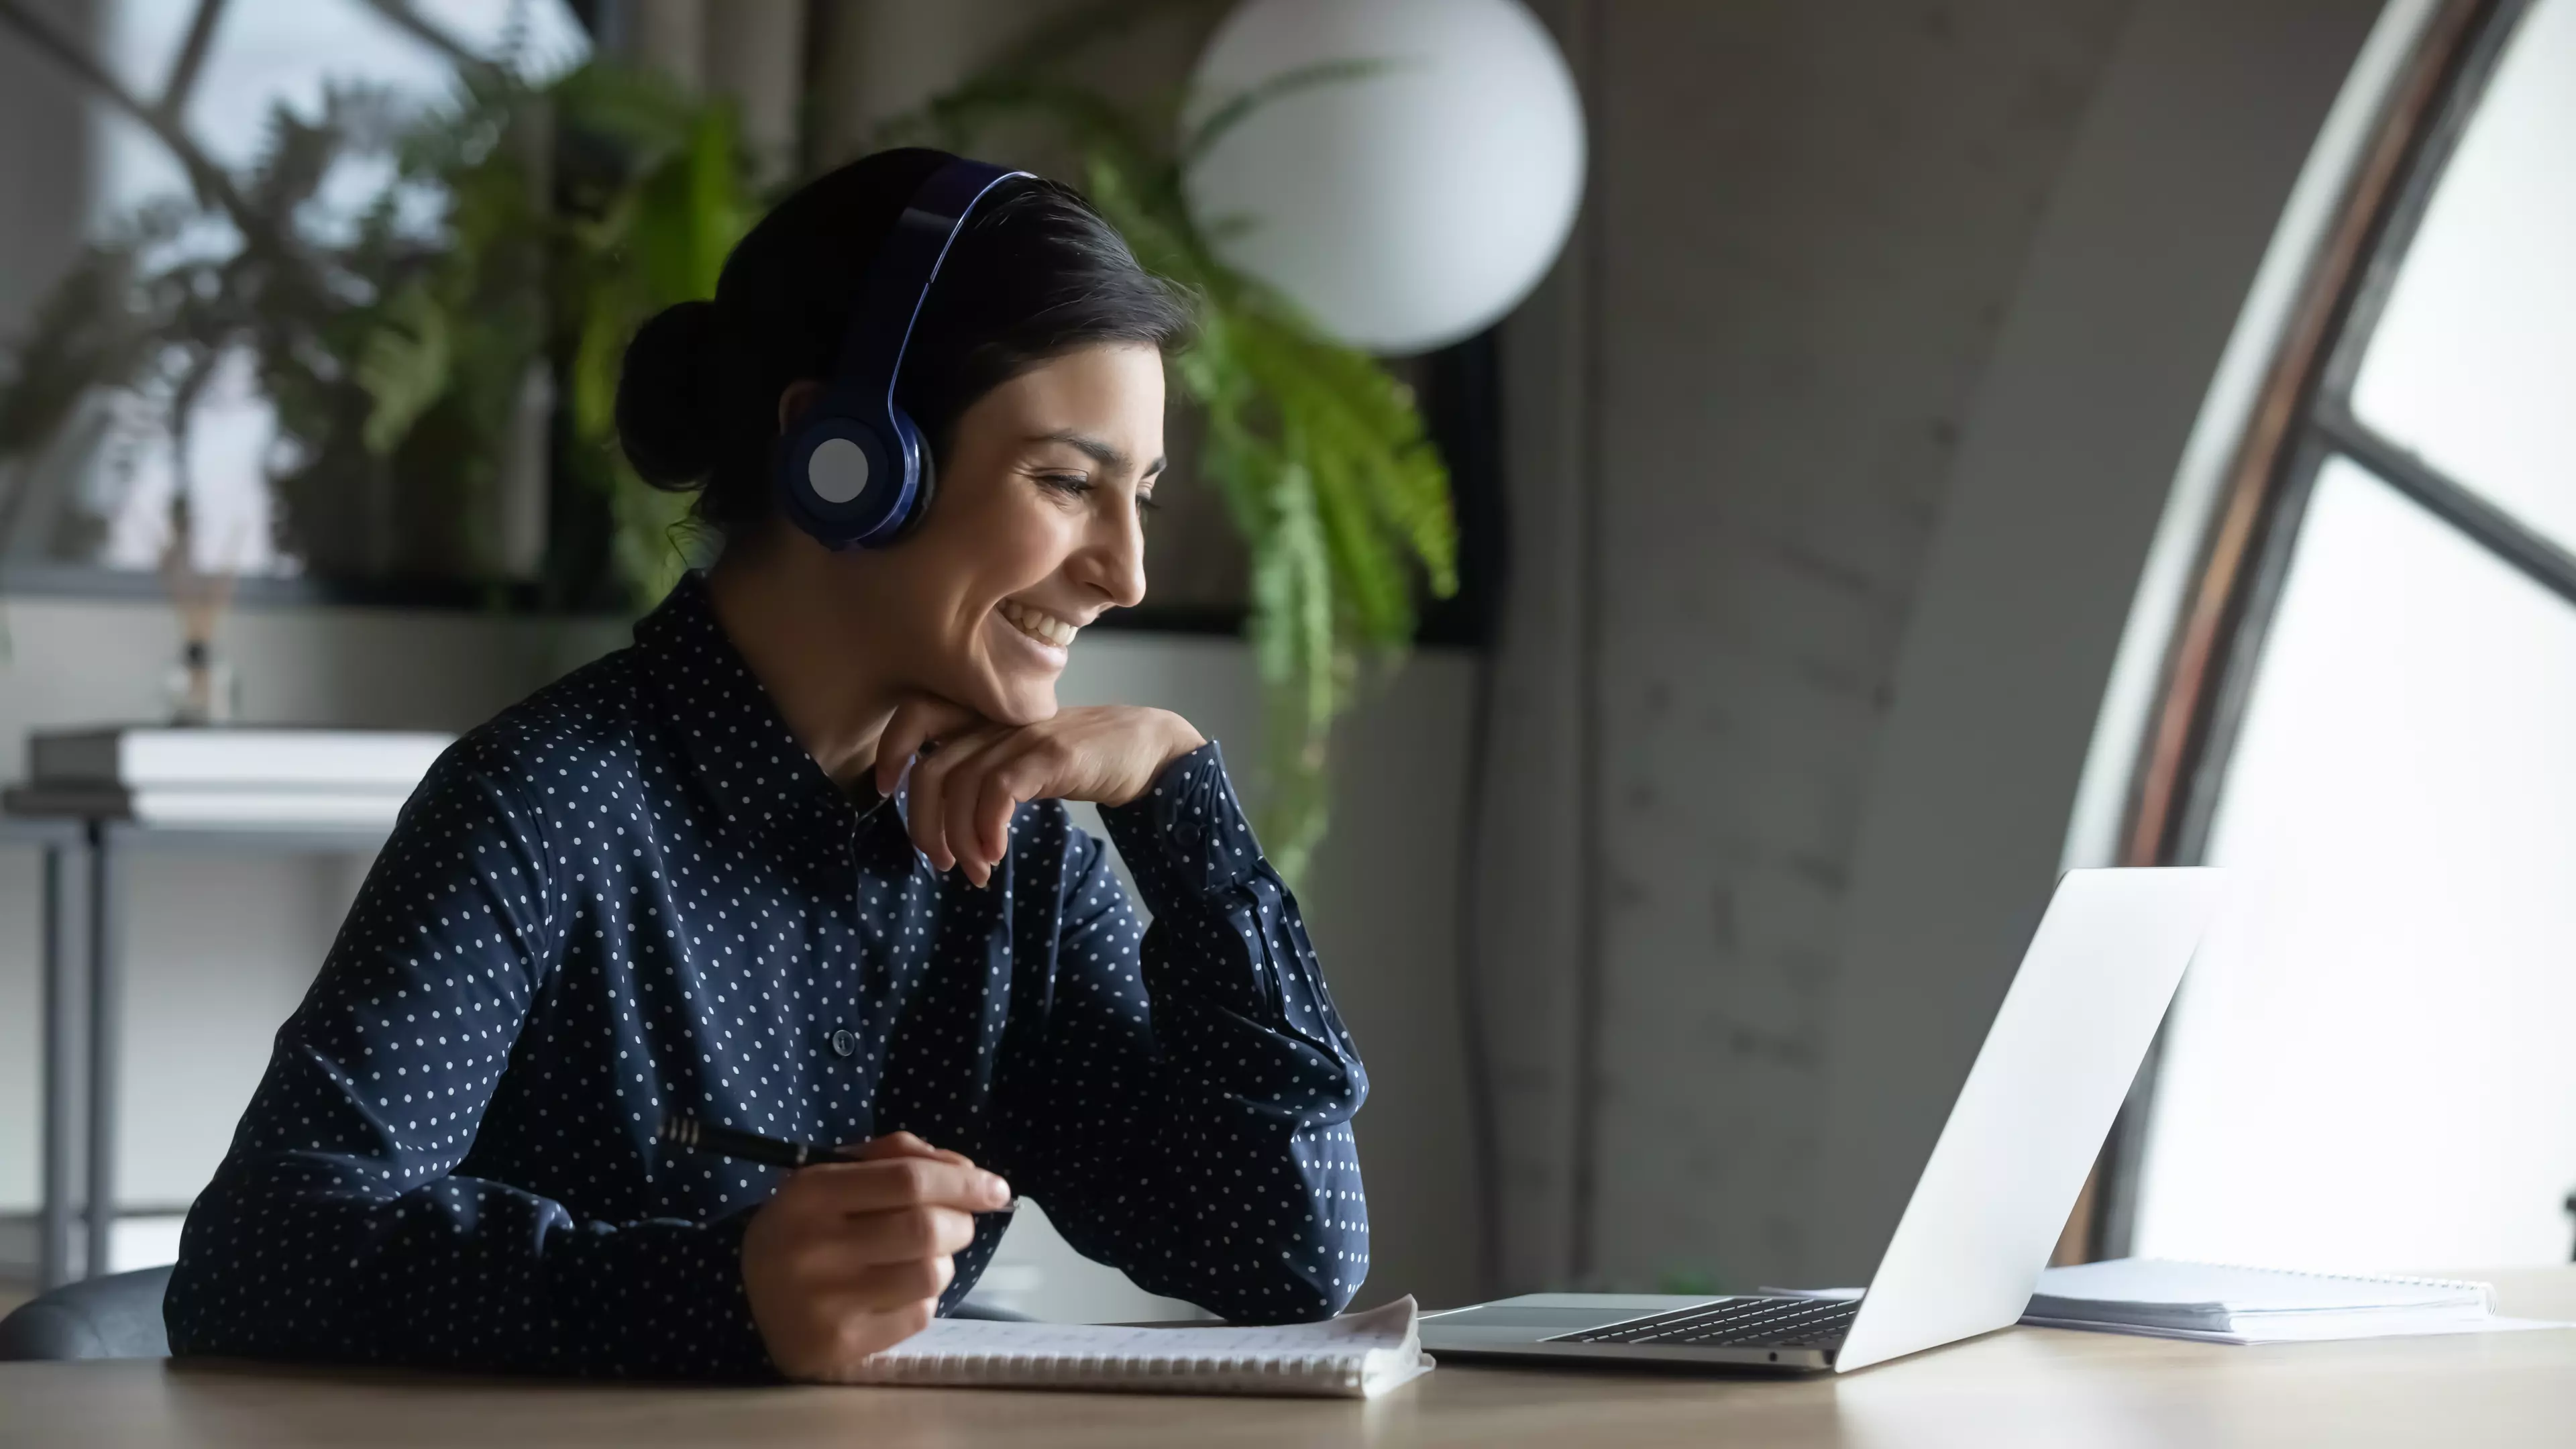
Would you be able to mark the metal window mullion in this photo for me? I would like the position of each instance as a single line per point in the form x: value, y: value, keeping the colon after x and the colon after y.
x: 2517, y: 544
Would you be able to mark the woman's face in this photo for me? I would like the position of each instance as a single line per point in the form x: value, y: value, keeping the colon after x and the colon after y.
x: 1037, y: 529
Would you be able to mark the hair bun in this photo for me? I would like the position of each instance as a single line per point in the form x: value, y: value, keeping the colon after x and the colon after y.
x: 662, y: 397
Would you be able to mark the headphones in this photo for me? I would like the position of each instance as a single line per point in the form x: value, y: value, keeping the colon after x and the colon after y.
x: 856, y: 473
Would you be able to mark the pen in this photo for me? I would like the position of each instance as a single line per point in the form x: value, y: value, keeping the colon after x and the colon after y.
x: 682, y: 1130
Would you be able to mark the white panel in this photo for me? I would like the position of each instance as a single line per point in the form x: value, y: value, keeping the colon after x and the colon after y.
x: 2369, y: 1066
x: 2474, y: 362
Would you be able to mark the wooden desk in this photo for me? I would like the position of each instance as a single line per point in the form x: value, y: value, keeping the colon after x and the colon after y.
x: 2022, y: 1386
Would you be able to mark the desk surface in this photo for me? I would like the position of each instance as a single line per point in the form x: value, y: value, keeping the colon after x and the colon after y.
x: 2021, y: 1386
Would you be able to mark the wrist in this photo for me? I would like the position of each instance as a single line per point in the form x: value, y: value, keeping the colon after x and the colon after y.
x: 1175, y: 738
x: 1182, y: 740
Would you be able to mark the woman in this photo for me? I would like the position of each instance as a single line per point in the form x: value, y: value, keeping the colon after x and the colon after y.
x: 797, y: 862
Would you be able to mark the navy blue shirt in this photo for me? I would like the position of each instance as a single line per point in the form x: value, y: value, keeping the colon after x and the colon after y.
x: 635, y: 894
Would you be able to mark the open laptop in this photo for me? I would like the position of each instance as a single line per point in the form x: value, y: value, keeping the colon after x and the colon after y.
x: 1993, y: 1197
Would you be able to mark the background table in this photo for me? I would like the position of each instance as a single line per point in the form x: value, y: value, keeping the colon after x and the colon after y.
x: 98, y: 974
x: 2022, y: 1386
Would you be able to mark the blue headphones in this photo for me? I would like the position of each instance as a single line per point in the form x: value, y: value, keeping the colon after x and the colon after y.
x: 856, y: 472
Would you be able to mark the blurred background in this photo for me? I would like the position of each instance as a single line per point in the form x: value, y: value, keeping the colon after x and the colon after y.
x: 1693, y: 515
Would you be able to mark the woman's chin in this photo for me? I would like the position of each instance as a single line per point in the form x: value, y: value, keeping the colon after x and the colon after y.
x: 1014, y: 702
x: 1019, y: 674
x: 1034, y: 713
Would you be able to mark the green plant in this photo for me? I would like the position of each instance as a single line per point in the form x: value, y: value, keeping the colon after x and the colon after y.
x: 1318, y: 449
x: 584, y: 207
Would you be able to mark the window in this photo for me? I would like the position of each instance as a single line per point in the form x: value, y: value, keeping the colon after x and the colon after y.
x: 2373, y: 1064
x: 99, y: 497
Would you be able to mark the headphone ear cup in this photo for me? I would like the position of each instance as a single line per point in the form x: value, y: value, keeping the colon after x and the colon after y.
x: 921, y: 500
x: 925, y: 477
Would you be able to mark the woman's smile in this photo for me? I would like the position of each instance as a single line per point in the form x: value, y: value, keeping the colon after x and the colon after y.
x: 1019, y: 650
x: 1042, y: 625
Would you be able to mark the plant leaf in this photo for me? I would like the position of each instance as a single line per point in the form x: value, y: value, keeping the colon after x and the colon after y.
x: 404, y: 367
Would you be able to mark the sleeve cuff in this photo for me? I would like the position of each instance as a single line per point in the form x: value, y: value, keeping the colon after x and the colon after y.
x: 734, y: 1340
x: 1187, y: 835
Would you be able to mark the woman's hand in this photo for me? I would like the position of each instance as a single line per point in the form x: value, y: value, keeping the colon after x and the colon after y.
x: 971, y: 774
x: 851, y: 1257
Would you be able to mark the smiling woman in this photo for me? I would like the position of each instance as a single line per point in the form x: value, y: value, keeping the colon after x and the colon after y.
x: 668, y: 884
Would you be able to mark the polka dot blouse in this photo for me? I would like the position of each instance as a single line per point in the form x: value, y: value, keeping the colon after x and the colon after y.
x: 635, y: 894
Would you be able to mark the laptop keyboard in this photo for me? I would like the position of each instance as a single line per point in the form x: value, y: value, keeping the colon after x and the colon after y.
x: 1732, y: 1323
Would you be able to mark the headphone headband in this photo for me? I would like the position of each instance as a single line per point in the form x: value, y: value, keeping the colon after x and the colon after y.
x: 856, y: 471
x: 906, y: 264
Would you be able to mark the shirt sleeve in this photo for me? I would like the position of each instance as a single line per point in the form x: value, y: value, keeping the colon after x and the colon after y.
x: 1192, y: 1125
x: 340, y: 1225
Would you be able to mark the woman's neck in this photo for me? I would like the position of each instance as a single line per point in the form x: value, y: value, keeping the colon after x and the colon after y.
x: 834, y: 702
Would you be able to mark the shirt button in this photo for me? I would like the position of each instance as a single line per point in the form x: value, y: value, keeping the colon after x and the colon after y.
x: 844, y: 1043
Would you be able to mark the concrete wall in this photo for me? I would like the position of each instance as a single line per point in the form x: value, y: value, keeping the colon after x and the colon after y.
x: 1805, y: 225
x: 2140, y: 287
x: 1838, y: 442
x: 1793, y: 349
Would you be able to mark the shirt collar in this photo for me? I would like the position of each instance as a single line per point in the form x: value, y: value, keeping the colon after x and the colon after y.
x: 733, y: 734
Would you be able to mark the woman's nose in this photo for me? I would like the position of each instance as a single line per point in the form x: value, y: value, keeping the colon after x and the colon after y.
x: 1115, y: 562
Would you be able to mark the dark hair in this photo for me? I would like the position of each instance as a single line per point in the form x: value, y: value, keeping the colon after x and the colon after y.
x: 1035, y: 274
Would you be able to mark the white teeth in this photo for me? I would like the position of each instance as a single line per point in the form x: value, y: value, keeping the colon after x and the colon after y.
x: 1039, y: 624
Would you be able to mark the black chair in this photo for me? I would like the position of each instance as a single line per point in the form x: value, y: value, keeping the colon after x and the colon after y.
x: 117, y: 1316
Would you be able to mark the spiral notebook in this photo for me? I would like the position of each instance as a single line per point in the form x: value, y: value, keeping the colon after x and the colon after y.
x: 1355, y: 1356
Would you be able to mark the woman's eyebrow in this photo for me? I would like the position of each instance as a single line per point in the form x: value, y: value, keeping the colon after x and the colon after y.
x: 1100, y: 450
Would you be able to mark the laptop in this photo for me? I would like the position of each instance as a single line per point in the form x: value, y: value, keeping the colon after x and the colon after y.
x: 1993, y: 1197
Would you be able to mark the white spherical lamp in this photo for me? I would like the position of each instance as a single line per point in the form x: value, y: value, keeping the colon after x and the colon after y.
x: 1406, y: 206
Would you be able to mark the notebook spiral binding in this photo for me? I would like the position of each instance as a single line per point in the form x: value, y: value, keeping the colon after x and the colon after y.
x: 1240, y: 1372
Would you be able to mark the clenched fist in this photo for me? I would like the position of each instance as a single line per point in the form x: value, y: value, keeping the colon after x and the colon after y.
x: 851, y: 1257
x: 972, y: 774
